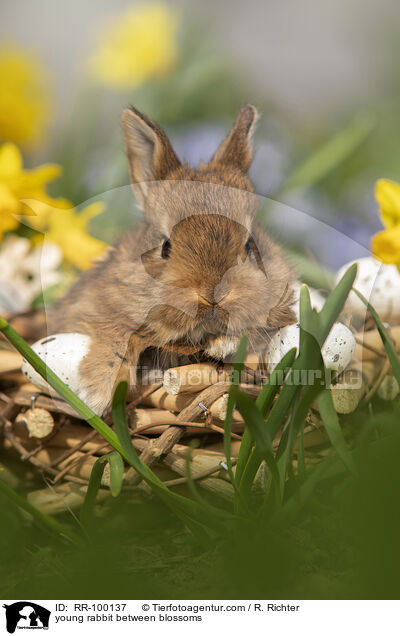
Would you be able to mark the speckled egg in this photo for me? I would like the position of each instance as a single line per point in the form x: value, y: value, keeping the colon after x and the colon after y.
x: 63, y: 353
x: 337, y: 351
x: 285, y: 339
x: 379, y: 283
x: 339, y: 347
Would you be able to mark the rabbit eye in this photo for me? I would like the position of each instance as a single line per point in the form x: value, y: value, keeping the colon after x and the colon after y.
x: 254, y: 255
x: 166, y: 249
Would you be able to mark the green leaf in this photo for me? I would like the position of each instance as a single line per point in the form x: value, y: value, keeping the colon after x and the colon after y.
x: 86, y: 515
x: 121, y: 426
x: 282, y: 404
x: 332, y: 426
x: 114, y: 460
x: 116, y: 464
x: 335, y: 302
x: 263, y: 403
x: 294, y: 426
x: 236, y: 377
x: 255, y: 421
x: 309, y: 318
x: 301, y: 465
x: 250, y: 472
x: 273, y: 384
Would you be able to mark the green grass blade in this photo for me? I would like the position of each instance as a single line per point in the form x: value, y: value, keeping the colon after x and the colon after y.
x: 114, y: 460
x: 282, y: 404
x: 291, y: 432
x: 255, y: 421
x: 309, y: 318
x: 116, y: 464
x: 263, y: 403
x: 249, y: 473
x: 86, y: 514
x: 332, y: 426
x: 301, y: 464
x: 236, y: 377
x: 274, y: 382
x: 119, y: 419
x: 335, y: 302
x: 387, y: 343
x: 245, y: 450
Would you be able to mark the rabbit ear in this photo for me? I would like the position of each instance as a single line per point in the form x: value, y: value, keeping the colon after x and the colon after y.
x: 150, y: 154
x: 236, y: 149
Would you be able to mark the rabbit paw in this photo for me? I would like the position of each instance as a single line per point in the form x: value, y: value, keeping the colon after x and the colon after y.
x: 222, y: 346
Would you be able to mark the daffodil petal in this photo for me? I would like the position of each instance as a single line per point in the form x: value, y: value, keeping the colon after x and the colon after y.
x: 7, y: 223
x: 24, y: 96
x: 40, y: 176
x: 139, y: 45
x: 387, y: 194
x: 9, y: 204
x: 38, y: 213
x: 78, y: 248
x: 385, y: 245
x: 91, y: 211
x: 10, y: 161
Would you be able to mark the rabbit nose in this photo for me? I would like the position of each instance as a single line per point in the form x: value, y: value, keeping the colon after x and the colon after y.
x: 212, y: 299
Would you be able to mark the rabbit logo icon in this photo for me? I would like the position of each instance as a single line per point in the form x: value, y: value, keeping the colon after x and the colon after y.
x: 26, y: 615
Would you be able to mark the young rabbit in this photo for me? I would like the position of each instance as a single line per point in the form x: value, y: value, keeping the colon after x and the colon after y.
x: 197, y: 274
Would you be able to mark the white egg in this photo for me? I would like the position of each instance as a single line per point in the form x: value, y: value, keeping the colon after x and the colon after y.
x: 379, y: 283
x: 285, y: 339
x: 337, y: 351
x: 338, y: 348
x: 62, y: 353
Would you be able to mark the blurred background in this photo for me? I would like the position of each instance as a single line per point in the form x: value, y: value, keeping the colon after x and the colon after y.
x: 325, y: 77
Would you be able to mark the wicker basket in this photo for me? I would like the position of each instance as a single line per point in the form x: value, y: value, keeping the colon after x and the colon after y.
x: 163, y: 421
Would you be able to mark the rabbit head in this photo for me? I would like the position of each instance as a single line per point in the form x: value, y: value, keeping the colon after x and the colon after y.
x: 216, y: 271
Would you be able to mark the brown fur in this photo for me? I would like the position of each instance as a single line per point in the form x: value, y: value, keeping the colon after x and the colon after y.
x: 208, y: 292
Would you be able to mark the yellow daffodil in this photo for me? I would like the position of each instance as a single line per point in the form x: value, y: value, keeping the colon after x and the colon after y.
x: 67, y: 228
x: 24, y: 97
x: 387, y: 194
x: 140, y: 45
x: 17, y: 184
x: 23, y: 196
x: 385, y: 245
